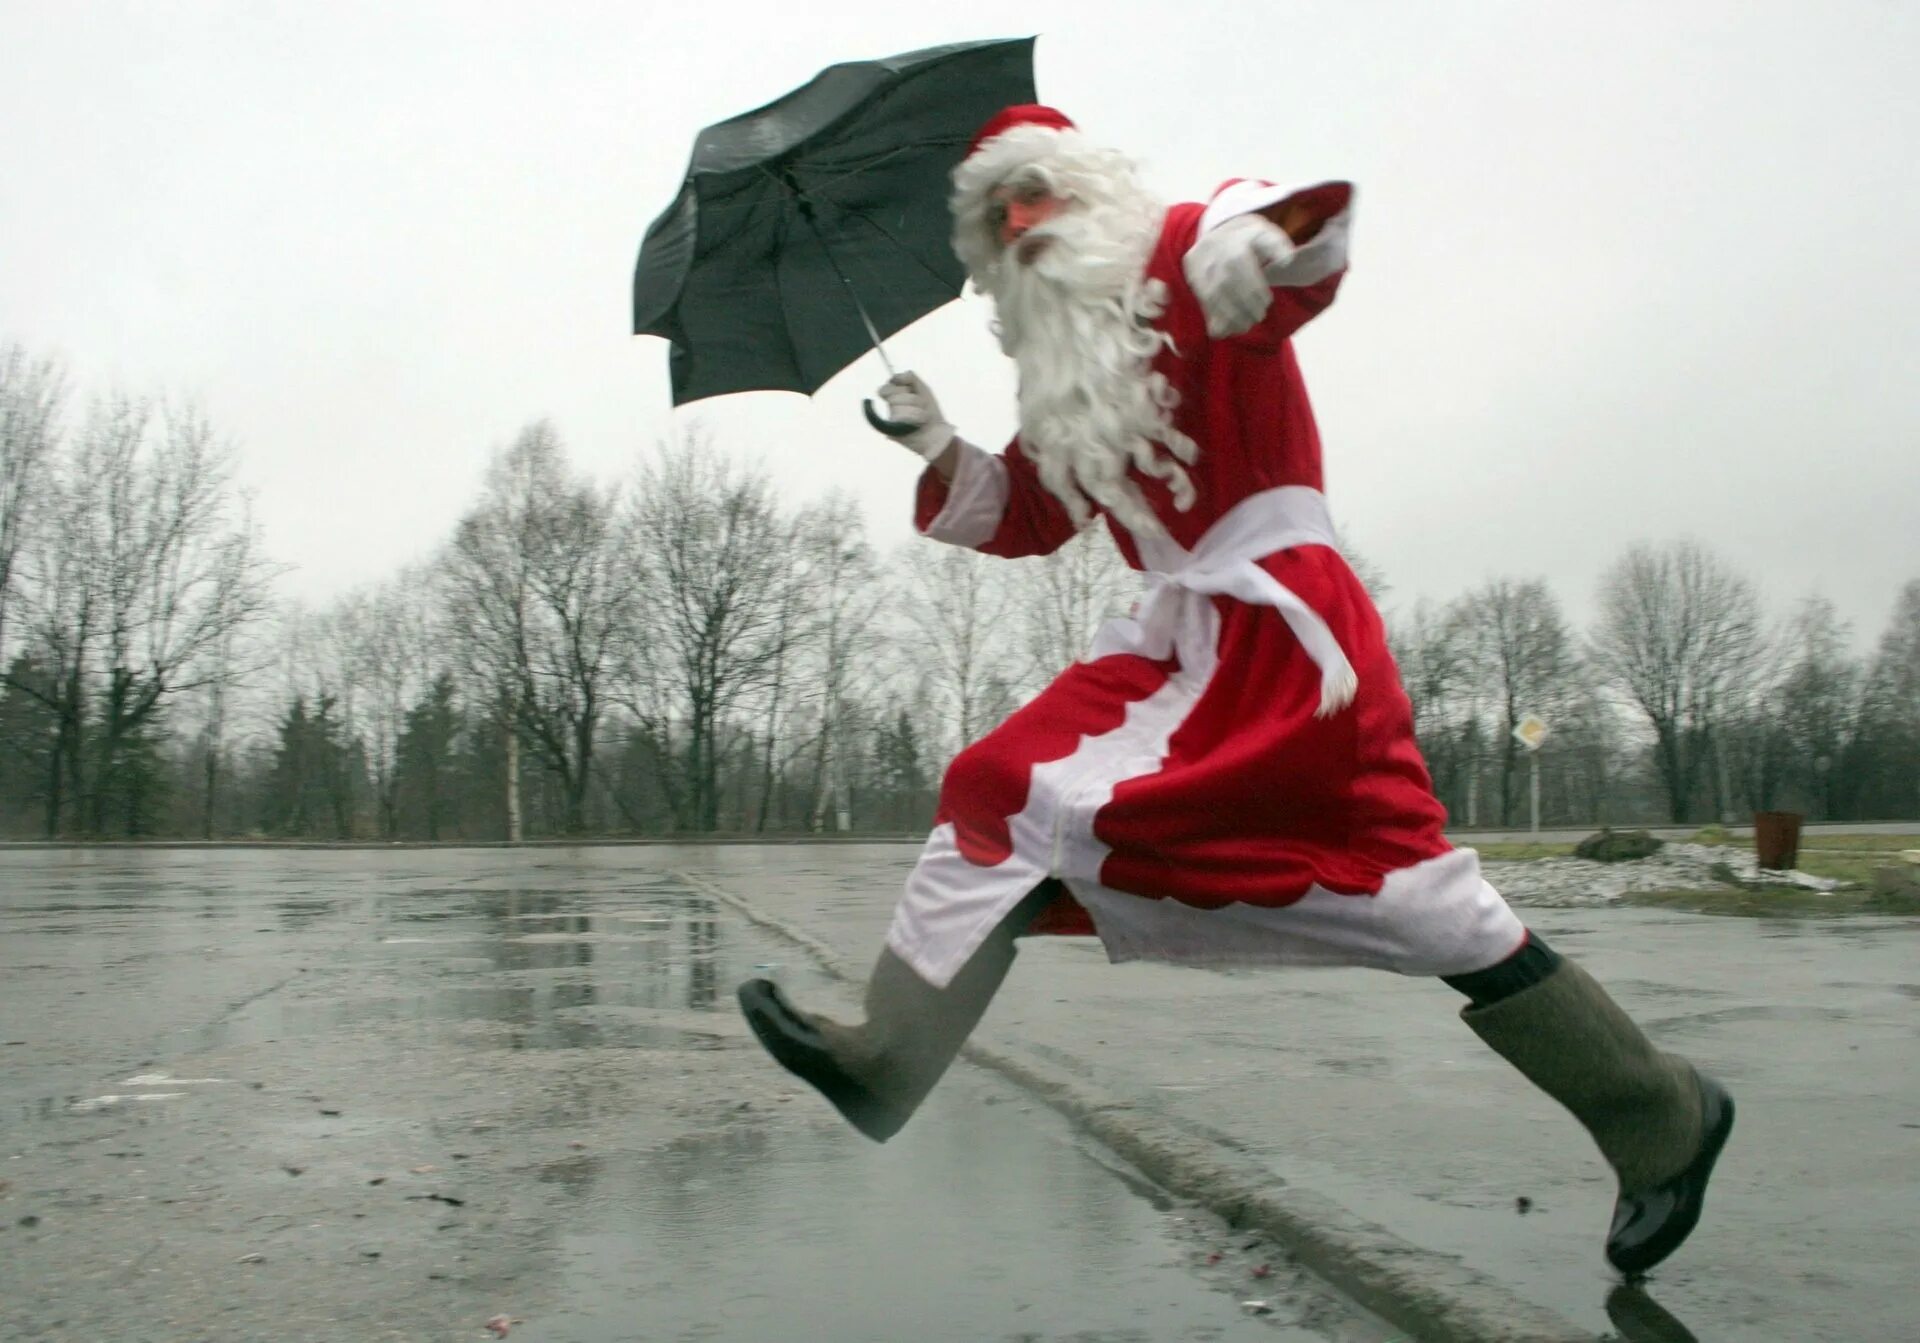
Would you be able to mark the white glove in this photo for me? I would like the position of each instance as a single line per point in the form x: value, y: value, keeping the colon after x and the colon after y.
x: 909, y: 401
x: 1228, y: 267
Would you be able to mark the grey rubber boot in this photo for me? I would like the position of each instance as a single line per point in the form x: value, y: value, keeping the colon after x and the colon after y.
x: 876, y: 1073
x: 1657, y: 1120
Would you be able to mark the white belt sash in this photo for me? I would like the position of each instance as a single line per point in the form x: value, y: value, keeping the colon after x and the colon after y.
x: 1174, y: 615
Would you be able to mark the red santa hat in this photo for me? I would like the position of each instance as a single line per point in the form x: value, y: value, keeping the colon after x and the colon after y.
x: 1023, y: 114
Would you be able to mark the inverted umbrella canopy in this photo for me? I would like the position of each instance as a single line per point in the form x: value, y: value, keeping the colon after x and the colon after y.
x: 826, y: 210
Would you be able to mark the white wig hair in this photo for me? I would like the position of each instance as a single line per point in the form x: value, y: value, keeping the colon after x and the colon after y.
x: 1078, y: 321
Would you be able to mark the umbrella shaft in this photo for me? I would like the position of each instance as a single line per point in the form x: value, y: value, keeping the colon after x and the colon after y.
x: 873, y: 333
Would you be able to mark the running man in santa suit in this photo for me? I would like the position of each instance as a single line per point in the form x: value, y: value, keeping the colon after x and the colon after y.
x: 1231, y: 775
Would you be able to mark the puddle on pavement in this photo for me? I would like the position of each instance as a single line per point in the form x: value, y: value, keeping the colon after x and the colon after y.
x: 981, y: 1221
x: 587, y: 990
x: 578, y: 1014
x: 557, y: 939
x: 537, y: 970
x: 537, y: 967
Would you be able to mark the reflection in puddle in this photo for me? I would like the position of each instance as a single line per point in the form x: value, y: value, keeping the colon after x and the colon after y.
x: 615, y: 916
x: 557, y: 938
x: 559, y: 974
x: 703, y: 945
x: 1641, y: 1319
x: 988, y: 1224
x: 523, y: 1017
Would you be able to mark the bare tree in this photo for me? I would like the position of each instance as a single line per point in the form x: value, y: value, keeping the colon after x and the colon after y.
x: 1787, y: 749
x: 1679, y: 636
x: 1060, y: 600
x: 539, y: 593
x: 32, y: 394
x: 1814, y: 699
x: 1587, y: 754
x: 1429, y: 645
x: 952, y: 606
x: 718, y: 556
x: 1519, y: 650
x: 148, y: 562
x: 185, y: 572
x: 1372, y: 577
x: 233, y: 663
x: 781, y: 692
x: 386, y: 633
x: 840, y: 579
x: 62, y: 608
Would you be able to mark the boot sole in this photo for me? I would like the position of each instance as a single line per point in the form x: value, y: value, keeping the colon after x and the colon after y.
x: 796, y: 1046
x: 1717, y: 1111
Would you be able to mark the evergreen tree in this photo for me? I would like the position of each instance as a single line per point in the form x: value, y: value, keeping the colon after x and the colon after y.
x: 900, y: 777
x: 133, y: 782
x: 28, y: 729
x: 427, y: 782
x: 1882, y: 763
x: 309, y: 789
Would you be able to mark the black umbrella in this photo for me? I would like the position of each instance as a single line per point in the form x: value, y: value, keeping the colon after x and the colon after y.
x: 809, y: 230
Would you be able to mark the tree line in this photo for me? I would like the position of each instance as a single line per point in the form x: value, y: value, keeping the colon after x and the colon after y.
x: 685, y: 652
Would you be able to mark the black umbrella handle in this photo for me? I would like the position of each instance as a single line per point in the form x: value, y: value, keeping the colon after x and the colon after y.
x: 891, y: 428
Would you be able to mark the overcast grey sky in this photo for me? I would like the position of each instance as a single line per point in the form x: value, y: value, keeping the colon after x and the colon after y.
x: 1624, y: 271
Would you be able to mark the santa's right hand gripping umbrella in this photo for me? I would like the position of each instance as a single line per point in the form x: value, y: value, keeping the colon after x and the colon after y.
x: 809, y: 230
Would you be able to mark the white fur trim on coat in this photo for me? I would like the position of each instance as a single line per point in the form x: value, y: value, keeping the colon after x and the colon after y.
x: 976, y: 498
x: 1437, y: 917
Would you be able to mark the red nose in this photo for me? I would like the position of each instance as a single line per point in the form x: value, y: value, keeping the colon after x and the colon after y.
x: 1022, y: 216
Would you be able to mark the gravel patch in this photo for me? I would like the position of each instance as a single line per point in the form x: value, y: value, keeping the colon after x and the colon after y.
x: 1577, y: 883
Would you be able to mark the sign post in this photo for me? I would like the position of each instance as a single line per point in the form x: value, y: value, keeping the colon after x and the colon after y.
x: 1530, y: 732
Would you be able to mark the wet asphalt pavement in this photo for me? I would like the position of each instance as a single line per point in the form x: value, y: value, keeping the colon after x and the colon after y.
x: 373, y: 1094
x: 1365, y: 1087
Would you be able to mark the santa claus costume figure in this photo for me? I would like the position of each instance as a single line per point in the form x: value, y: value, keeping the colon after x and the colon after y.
x: 1231, y: 775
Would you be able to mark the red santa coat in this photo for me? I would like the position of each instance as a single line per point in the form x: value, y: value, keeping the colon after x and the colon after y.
x: 1231, y: 775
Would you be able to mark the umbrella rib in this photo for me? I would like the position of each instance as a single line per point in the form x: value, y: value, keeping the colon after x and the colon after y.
x: 786, y: 311
x: 873, y: 332
x: 789, y: 185
x: 887, y: 233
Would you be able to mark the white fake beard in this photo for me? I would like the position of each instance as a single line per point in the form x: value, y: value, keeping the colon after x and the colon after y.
x: 1077, y: 321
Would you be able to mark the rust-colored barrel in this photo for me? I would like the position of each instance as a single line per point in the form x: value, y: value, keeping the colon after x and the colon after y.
x: 1776, y: 839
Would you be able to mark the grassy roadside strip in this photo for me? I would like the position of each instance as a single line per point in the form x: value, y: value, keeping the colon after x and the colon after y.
x: 1773, y: 902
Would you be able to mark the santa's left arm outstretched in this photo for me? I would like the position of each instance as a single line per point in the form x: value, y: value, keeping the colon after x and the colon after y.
x: 1267, y: 255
